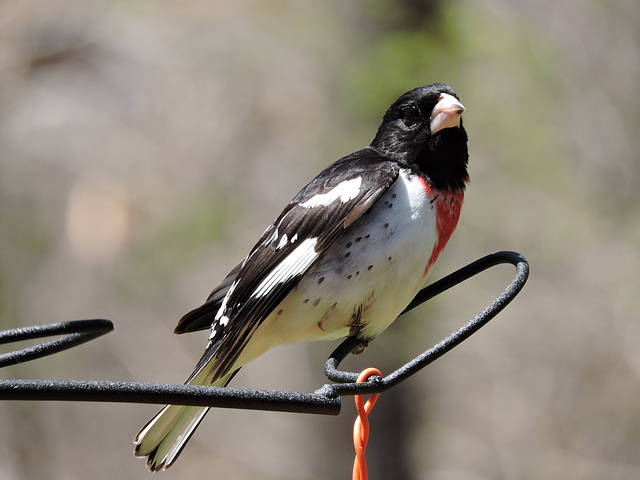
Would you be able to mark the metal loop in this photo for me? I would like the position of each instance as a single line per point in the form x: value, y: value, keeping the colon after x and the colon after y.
x: 347, y: 380
x: 75, y: 333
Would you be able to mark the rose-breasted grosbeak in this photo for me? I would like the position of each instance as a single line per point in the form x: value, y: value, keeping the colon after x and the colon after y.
x: 344, y: 258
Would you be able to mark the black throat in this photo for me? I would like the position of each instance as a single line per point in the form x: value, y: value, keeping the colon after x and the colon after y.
x: 444, y: 158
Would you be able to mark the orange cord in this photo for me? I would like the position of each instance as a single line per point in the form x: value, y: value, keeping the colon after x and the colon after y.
x: 361, y: 426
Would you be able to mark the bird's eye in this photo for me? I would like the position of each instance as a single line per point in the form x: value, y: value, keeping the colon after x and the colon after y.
x: 410, y: 115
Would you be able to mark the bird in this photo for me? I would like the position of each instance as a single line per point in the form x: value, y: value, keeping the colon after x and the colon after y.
x: 344, y: 258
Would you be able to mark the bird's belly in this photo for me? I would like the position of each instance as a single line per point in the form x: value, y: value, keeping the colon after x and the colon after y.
x: 368, y: 276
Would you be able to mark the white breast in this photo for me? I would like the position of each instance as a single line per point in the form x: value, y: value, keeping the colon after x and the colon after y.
x: 369, y: 274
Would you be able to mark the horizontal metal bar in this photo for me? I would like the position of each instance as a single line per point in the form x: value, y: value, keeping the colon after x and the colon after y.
x: 154, y: 393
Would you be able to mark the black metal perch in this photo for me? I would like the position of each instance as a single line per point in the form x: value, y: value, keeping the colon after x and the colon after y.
x: 325, y: 401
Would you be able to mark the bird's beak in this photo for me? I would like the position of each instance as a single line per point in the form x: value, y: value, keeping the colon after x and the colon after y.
x: 446, y: 113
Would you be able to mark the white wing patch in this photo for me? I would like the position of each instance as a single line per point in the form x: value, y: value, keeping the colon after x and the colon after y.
x: 221, y: 319
x: 223, y: 307
x: 283, y: 241
x: 297, y: 261
x: 345, y: 191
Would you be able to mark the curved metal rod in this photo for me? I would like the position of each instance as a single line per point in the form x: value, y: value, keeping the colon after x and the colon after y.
x: 346, y: 380
x: 75, y: 333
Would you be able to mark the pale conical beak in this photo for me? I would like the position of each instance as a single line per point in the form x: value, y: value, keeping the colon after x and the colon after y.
x: 446, y: 113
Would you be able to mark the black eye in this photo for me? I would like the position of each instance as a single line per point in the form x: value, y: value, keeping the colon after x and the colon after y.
x: 410, y: 115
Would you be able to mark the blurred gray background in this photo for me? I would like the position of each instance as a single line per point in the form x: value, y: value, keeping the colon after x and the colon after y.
x: 145, y: 145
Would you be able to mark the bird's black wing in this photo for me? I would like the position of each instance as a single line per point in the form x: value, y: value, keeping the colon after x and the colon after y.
x: 308, y: 225
x: 202, y: 317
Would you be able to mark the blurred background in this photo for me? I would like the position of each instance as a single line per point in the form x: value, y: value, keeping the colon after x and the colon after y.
x: 145, y: 146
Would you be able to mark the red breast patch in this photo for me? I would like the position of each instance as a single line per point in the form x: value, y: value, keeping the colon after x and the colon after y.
x: 447, y: 206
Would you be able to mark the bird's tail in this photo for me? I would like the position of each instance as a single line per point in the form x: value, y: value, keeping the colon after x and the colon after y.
x: 162, y: 439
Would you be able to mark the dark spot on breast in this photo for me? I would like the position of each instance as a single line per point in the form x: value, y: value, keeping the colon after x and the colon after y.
x: 306, y: 300
x: 369, y: 267
x: 346, y: 255
x: 356, y: 319
x: 367, y: 236
x: 358, y: 239
x: 349, y: 277
x: 393, y: 195
x: 320, y: 280
x: 279, y: 312
x: 389, y: 258
x: 349, y: 244
x: 315, y: 304
x: 357, y: 273
x: 386, y: 225
x: 390, y: 205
